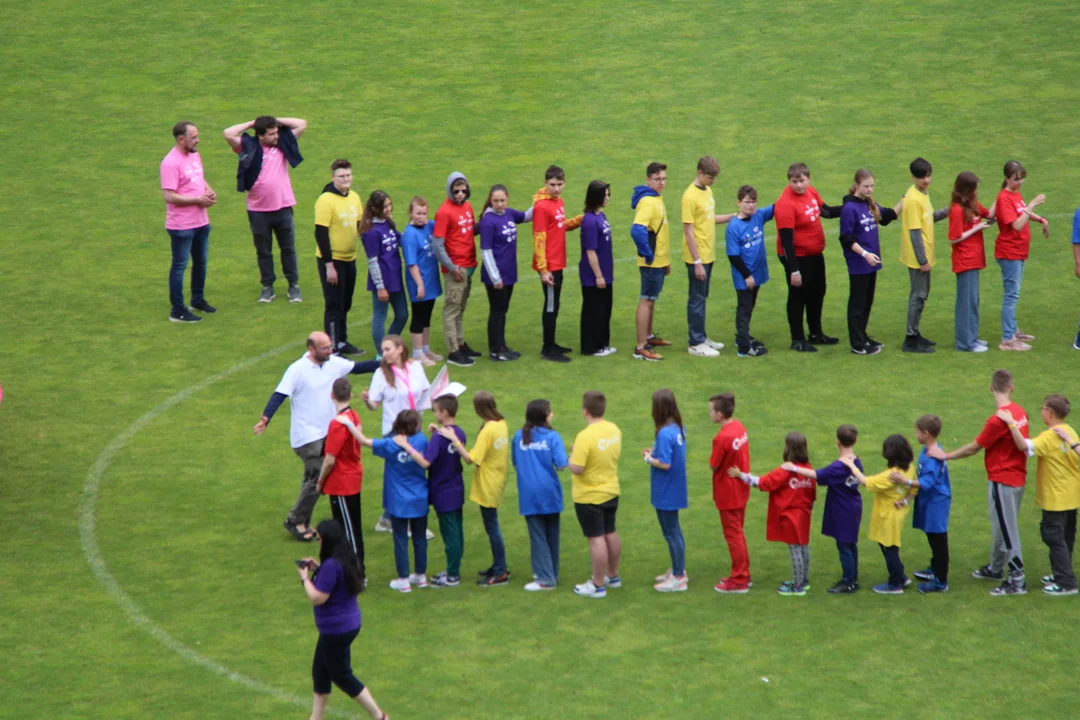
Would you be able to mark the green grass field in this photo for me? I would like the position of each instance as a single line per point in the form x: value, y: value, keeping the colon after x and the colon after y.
x: 145, y: 570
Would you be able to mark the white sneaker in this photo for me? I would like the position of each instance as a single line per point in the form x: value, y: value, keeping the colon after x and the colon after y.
x: 536, y: 587
x: 703, y: 350
x: 434, y: 356
x: 429, y: 535
x: 613, y: 582
x: 982, y: 342
x: 672, y: 584
x: 714, y: 345
x: 424, y: 360
x: 980, y: 348
x: 665, y: 576
x: 383, y: 525
x: 607, y: 351
x: 401, y: 585
x: 419, y: 581
x: 587, y: 589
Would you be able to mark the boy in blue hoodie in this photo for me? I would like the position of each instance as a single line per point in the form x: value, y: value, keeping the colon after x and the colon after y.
x: 932, y: 505
x: 652, y: 237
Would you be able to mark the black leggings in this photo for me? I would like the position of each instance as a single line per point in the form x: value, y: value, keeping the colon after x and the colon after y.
x: 595, y: 318
x: 333, y: 664
x: 421, y: 316
x: 498, y: 306
x: 337, y: 299
x: 346, y: 510
x: 550, y: 315
x: 860, y: 302
x: 939, y: 559
x: 809, y: 297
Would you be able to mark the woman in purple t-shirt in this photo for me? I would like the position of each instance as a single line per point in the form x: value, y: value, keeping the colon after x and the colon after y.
x: 498, y: 248
x: 382, y: 245
x: 338, y: 579
x: 597, y: 270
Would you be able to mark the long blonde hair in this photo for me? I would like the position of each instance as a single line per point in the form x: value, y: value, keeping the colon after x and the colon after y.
x: 861, y: 176
x: 387, y: 369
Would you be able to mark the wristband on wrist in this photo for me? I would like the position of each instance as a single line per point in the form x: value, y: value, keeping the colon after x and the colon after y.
x: 864, y: 254
x: 1012, y: 425
x: 1074, y: 445
x: 698, y: 261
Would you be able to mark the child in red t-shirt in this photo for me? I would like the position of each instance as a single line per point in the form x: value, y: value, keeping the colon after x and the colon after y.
x: 1011, y: 250
x: 967, y: 220
x: 731, y: 449
x: 549, y: 254
x: 791, y: 500
x: 1006, y: 472
x: 342, y: 473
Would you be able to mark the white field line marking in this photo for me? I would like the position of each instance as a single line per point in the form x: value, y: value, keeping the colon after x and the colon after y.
x: 88, y: 539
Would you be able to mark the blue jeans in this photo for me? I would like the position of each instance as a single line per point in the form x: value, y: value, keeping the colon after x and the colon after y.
x: 401, y: 527
x: 1012, y: 277
x: 194, y: 243
x: 669, y: 527
x: 894, y: 565
x: 695, y: 303
x: 849, y: 562
x: 379, y: 311
x: 967, y: 310
x: 544, y: 547
x: 494, y: 533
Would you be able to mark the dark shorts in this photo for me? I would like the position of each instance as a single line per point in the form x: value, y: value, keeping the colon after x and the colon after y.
x: 652, y: 282
x: 597, y: 520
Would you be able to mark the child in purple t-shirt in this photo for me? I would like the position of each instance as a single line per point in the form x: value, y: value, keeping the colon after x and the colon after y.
x: 843, y: 506
x: 498, y: 249
x: 597, y: 271
x: 446, y: 487
x: 382, y: 245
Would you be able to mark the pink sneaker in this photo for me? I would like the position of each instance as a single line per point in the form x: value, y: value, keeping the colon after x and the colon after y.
x: 1021, y: 335
x: 1014, y: 344
x: 672, y: 584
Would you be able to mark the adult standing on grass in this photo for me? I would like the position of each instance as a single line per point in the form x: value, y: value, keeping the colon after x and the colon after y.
x: 338, y: 579
x: 263, y: 173
x: 187, y: 196
x: 800, y: 242
x: 1011, y: 249
x: 1006, y: 470
x: 597, y: 272
x: 307, y: 384
x: 652, y: 236
x: 699, y: 223
x: 454, y: 246
x: 337, y: 231
x: 549, y: 255
x: 594, y: 463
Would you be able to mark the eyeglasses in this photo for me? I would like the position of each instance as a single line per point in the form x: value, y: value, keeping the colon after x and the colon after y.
x: 460, y: 192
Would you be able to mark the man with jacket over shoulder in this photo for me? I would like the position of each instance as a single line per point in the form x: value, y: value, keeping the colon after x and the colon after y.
x: 263, y: 173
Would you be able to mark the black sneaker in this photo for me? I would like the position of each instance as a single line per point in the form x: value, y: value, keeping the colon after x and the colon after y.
x: 752, y: 351
x: 183, y: 316
x: 842, y: 588
x: 460, y: 359
x: 203, y: 307
x: 1076, y: 342
x: 493, y: 580
x: 866, y: 349
x: 802, y: 346
x: 486, y: 573
x: 294, y: 294
x: 912, y: 345
x: 510, y: 352
x: 986, y: 573
x: 875, y: 343
x: 499, y: 356
x: 555, y: 356
x: 561, y: 349
x: 349, y: 349
x: 1010, y: 587
x: 822, y: 339
x: 267, y: 294
x: 468, y: 351
x: 754, y: 342
x: 926, y: 341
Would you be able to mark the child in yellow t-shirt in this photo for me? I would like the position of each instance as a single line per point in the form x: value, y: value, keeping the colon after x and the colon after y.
x: 491, y: 455
x: 893, y: 492
x: 917, y: 250
x: 594, y: 462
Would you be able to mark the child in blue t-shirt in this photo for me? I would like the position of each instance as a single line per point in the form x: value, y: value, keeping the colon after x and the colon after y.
x: 932, y: 504
x: 749, y: 267
x: 422, y: 278
x: 667, y: 478
x: 538, y: 453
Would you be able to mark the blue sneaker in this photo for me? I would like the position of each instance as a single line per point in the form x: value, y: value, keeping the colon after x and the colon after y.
x: 789, y: 588
x: 927, y: 574
x: 933, y: 587
x: 887, y: 589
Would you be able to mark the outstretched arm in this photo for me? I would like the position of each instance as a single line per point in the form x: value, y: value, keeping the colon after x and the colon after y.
x: 233, y: 133
x: 354, y: 431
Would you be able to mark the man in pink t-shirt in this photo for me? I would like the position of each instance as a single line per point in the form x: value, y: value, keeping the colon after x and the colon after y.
x: 187, y: 196
x: 264, y: 174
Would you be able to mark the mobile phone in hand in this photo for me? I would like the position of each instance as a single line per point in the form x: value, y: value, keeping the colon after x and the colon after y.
x: 302, y: 564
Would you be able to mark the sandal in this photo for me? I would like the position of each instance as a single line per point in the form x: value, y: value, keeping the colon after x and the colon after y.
x: 297, y: 533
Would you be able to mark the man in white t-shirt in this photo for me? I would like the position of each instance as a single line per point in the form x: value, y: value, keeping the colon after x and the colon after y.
x: 308, y: 384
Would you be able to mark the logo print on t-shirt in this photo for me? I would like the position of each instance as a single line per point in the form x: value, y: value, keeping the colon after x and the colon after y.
x: 812, y: 210
x: 499, y: 443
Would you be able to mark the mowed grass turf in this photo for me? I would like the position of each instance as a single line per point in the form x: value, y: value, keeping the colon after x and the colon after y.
x: 187, y: 518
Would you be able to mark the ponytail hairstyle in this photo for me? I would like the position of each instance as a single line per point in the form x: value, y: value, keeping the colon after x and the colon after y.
x: 665, y: 410
x: 484, y: 404
x: 1012, y: 169
x: 861, y: 176
x: 964, y: 194
x: 795, y: 448
x: 536, y: 415
x: 494, y: 189
x: 334, y: 544
x: 375, y: 207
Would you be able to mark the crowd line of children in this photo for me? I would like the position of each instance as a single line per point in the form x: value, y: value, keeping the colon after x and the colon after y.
x: 420, y: 472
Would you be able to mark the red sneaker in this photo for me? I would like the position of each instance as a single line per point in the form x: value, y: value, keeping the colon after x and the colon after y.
x: 727, y: 587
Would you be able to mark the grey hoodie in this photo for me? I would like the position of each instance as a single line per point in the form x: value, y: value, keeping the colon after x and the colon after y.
x: 438, y: 244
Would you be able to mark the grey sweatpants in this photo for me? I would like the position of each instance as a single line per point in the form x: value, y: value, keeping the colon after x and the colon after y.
x: 312, y: 455
x: 920, y: 290
x: 1004, y: 503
